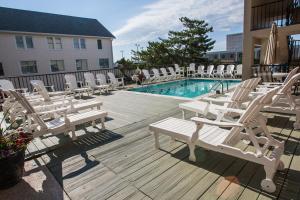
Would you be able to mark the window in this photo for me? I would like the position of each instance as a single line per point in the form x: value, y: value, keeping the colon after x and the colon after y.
x: 1, y: 70
x: 82, y: 43
x: 76, y: 43
x: 54, y: 43
x: 58, y: 43
x: 50, y: 42
x: 29, y: 42
x: 20, y: 42
x: 99, y: 42
x: 57, y: 65
x: 81, y: 64
x: 79, y: 43
x: 104, y: 63
x: 28, y: 67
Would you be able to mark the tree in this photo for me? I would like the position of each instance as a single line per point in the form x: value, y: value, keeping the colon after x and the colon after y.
x: 183, y: 47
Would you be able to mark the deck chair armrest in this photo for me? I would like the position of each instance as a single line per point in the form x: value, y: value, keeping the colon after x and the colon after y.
x: 199, y: 120
x: 56, y: 110
x: 217, y: 100
x: 226, y: 110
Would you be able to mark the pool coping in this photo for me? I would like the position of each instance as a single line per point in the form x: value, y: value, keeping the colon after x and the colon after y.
x: 182, y: 98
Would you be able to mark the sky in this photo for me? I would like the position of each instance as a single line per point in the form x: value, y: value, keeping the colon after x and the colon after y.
x: 135, y: 22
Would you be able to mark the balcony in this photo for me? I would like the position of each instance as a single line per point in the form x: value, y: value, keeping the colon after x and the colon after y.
x: 282, y: 12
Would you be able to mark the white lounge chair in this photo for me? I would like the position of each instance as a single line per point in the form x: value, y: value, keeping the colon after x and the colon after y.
x: 102, y: 80
x: 148, y: 78
x: 41, y: 84
x: 179, y: 70
x: 209, y: 71
x: 59, y: 125
x: 223, y: 137
x: 191, y: 70
x: 167, y: 76
x: 239, y: 71
x: 157, y: 75
x: 200, y: 71
x: 115, y: 82
x: 72, y: 85
x: 91, y: 83
x: 7, y: 85
x: 219, y: 72
x: 229, y: 72
x: 173, y: 73
x: 207, y: 106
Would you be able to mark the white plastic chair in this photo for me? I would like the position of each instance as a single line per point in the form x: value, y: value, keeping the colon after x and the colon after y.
x: 229, y: 71
x: 191, y: 70
x: 72, y: 85
x: 238, y: 71
x: 91, y: 83
x: 200, y: 71
x: 209, y: 71
x: 116, y: 82
x: 219, y: 72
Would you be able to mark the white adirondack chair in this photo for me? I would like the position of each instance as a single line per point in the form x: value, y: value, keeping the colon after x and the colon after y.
x: 41, y: 84
x: 101, y: 80
x: 223, y: 137
x: 239, y: 71
x: 91, y: 83
x: 157, y: 75
x: 72, y: 85
x: 219, y: 72
x: 148, y: 77
x: 179, y: 70
x: 200, y: 71
x: 64, y: 124
x: 229, y: 71
x: 209, y: 72
x: 173, y: 73
x: 191, y: 70
x: 116, y: 82
x: 207, y: 106
x: 166, y: 75
x: 6, y: 85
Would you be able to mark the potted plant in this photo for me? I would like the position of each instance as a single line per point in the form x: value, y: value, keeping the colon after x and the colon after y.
x: 13, y: 143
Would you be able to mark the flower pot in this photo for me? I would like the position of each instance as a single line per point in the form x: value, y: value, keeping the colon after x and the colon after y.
x: 11, y: 169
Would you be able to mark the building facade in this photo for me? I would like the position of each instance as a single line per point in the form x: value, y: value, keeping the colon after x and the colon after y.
x: 259, y: 15
x: 234, y: 42
x: 41, y: 43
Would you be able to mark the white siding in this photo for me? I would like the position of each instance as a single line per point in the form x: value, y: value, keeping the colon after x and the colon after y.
x: 10, y: 56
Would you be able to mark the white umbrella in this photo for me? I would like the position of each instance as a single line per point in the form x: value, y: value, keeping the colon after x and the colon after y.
x: 270, y: 55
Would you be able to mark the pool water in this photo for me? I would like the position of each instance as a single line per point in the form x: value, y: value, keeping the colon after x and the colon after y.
x: 189, y: 88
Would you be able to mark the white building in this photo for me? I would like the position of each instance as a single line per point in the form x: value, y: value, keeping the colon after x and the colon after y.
x: 42, y: 43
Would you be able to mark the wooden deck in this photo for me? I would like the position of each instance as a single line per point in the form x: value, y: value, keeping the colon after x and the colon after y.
x: 122, y: 163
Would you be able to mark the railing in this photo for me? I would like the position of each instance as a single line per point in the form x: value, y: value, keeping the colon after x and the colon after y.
x: 282, y: 12
x: 58, y: 80
x: 268, y: 72
x: 294, y: 51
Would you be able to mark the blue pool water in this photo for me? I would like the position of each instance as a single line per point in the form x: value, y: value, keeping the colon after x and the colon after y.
x: 189, y: 88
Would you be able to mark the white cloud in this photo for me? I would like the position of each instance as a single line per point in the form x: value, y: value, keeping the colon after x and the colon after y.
x: 158, y: 18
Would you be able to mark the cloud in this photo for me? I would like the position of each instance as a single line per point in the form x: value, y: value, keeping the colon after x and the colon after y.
x: 158, y: 18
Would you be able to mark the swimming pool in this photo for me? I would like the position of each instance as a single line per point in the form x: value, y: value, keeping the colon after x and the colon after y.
x: 189, y: 88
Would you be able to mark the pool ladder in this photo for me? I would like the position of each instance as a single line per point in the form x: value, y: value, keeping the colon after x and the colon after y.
x: 219, y: 83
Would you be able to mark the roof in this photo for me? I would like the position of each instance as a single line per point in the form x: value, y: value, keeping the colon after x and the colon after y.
x: 39, y: 22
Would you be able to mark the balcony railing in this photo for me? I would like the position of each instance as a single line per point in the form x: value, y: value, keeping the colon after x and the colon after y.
x: 282, y: 12
x: 58, y: 80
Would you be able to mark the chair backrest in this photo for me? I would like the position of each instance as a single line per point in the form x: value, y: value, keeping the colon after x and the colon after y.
x: 220, y: 69
x: 291, y: 74
x: 156, y: 72
x: 171, y: 70
x: 192, y: 67
x: 210, y: 69
x: 242, y: 91
x: 200, y: 69
x: 112, y: 77
x: 89, y: 79
x: 29, y: 109
x: 71, y: 81
x: 146, y: 73
x: 39, y: 86
x: 6, y: 85
x: 101, y: 78
x: 229, y: 69
x: 177, y: 68
x: 164, y: 71
x: 239, y: 69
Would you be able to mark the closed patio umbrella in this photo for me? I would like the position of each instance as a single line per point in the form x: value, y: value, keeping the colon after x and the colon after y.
x: 270, y: 55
